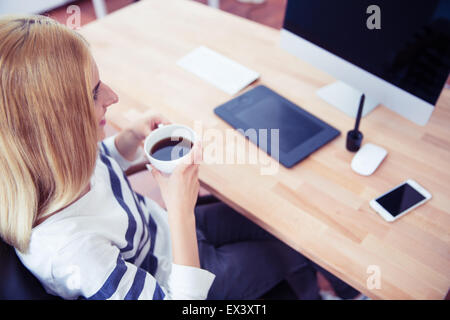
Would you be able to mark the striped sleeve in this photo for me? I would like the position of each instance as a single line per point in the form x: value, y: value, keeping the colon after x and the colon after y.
x: 128, y: 282
x: 94, y: 269
x: 108, y: 147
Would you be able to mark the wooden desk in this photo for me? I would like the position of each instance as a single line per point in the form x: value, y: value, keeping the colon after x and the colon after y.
x: 320, y: 207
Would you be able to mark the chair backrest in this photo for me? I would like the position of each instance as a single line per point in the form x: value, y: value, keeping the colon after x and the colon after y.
x: 17, y: 283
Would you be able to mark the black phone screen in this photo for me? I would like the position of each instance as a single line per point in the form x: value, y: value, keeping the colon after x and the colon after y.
x: 400, y: 199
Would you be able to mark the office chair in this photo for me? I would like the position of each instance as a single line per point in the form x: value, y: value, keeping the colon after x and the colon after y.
x: 17, y: 283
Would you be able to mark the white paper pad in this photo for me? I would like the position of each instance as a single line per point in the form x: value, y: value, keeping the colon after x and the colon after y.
x: 218, y: 70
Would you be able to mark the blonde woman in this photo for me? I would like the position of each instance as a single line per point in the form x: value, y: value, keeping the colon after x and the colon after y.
x: 68, y: 209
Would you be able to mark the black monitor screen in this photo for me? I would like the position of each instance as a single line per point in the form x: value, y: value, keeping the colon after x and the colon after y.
x: 405, y: 42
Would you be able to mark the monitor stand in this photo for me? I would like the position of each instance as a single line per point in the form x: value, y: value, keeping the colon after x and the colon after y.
x: 345, y: 98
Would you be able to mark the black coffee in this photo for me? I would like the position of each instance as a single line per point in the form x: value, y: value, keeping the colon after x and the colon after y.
x: 171, y: 148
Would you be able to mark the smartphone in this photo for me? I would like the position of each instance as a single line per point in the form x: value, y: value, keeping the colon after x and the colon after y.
x: 400, y: 200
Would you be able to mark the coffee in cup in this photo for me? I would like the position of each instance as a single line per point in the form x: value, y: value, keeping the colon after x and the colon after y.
x: 168, y: 146
x: 171, y: 148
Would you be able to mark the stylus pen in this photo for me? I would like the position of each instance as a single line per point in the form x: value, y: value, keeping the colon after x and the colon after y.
x: 360, y: 109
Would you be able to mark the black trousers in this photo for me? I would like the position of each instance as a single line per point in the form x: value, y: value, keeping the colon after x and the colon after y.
x: 248, y: 261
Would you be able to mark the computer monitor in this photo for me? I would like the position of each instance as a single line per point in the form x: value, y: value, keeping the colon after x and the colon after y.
x: 396, y: 52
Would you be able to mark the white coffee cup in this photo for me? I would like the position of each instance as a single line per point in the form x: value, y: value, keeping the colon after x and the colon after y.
x: 164, y: 132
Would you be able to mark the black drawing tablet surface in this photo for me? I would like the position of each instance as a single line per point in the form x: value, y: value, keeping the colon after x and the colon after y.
x: 300, y: 133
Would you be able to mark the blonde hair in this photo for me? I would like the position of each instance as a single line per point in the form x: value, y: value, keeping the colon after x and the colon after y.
x: 48, y: 132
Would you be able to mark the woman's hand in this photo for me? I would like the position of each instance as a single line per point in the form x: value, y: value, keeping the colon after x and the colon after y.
x: 130, y: 138
x: 180, y: 190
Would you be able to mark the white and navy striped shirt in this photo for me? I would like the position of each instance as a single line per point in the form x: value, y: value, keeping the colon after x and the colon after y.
x: 111, y: 244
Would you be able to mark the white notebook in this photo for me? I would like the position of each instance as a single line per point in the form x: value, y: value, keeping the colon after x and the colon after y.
x: 222, y: 72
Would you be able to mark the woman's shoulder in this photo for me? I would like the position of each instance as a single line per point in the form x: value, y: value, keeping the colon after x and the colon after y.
x: 50, y: 237
x: 58, y: 252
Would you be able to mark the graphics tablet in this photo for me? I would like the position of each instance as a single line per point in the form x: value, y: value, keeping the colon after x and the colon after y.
x: 299, y: 132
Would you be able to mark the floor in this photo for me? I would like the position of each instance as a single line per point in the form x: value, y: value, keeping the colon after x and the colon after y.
x: 270, y: 13
x: 87, y: 10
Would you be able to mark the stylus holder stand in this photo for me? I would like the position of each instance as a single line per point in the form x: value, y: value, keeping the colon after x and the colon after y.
x: 354, y: 139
